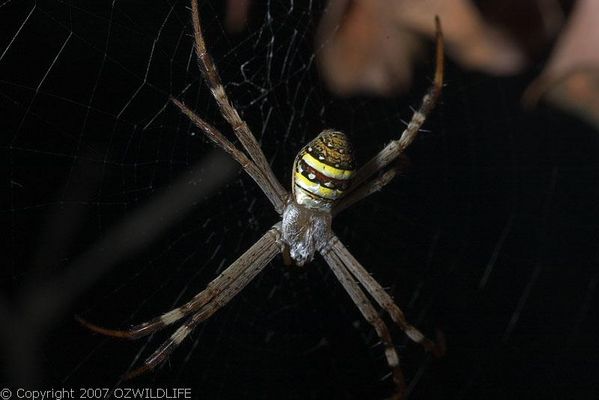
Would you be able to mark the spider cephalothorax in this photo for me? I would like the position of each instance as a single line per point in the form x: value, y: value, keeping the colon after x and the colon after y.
x: 323, y: 185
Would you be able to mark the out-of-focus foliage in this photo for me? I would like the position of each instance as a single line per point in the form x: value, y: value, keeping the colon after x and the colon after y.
x: 371, y: 46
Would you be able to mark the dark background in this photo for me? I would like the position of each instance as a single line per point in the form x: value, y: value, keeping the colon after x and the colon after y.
x: 491, y: 237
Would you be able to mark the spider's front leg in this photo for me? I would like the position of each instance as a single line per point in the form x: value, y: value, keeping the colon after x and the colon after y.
x: 383, y: 298
x: 203, y: 305
x: 269, y: 247
x: 347, y: 268
x: 370, y: 314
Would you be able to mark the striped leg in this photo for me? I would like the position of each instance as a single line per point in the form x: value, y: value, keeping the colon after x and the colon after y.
x: 256, y: 257
x: 382, y: 297
x: 372, y: 186
x: 397, y: 147
x: 370, y: 314
x: 248, y: 165
x: 240, y: 127
x: 165, y: 350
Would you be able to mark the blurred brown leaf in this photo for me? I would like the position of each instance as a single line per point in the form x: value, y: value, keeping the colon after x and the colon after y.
x: 236, y: 15
x: 571, y: 78
x: 370, y: 46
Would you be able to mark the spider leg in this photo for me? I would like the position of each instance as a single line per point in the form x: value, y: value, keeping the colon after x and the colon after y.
x: 370, y: 314
x: 257, y: 174
x: 266, y: 254
x: 370, y: 187
x: 382, y: 297
x: 397, y: 147
x: 164, y: 351
x: 240, y: 127
x: 252, y: 261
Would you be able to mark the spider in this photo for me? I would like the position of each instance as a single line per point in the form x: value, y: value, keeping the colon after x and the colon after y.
x: 324, y: 182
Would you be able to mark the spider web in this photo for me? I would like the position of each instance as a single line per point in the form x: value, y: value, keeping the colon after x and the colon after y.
x: 116, y: 208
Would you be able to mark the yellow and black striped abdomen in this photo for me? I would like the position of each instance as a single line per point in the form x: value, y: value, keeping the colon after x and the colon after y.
x: 323, y: 170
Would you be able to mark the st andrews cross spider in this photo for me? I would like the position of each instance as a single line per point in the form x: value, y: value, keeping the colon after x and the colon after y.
x: 324, y: 183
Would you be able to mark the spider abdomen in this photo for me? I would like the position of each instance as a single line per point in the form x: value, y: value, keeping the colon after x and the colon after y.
x: 323, y: 170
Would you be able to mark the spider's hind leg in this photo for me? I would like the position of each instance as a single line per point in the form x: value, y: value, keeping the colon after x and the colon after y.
x: 399, y: 167
x: 397, y: 147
